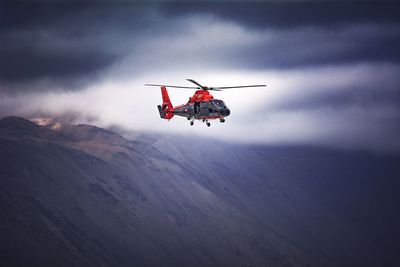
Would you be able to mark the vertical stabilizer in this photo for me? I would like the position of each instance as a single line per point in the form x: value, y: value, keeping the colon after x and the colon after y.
x: 165, y: 97
x: 166, y: 108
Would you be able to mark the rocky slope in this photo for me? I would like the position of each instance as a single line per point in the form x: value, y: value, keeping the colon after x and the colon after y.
x: 84, y: 196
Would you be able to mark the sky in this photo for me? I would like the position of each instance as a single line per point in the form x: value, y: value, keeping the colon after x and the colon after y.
x: 332, y: 68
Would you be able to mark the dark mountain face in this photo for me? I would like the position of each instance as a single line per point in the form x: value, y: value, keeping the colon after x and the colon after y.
x: 84, y: 196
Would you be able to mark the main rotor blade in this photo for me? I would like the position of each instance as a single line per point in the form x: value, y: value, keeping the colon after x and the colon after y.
x: 213, y: 89
x: 196, y: 83
x: 174, y: 86
x: 242, y: 86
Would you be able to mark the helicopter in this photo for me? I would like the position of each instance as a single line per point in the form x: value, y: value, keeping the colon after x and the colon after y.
x: 201, y: 106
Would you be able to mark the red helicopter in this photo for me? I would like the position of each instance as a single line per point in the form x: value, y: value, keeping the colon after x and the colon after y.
x: 201, y: 106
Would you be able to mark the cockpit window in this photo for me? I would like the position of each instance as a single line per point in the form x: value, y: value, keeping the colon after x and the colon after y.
x: 218, y: 103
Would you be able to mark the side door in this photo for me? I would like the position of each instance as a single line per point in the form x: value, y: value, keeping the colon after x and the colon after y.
x: 203, y: 108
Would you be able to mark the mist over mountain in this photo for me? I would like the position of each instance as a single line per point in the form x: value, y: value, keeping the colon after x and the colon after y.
x: 79, y: 195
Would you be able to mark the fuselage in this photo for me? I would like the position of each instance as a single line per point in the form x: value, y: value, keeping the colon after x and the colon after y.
x: 203, y: 110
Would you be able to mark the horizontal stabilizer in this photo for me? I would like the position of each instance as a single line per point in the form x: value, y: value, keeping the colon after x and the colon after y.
x: 162, y: 113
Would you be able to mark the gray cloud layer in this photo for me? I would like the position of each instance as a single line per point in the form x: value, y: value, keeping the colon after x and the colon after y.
x: 332, y: 69
x: 70, y: 43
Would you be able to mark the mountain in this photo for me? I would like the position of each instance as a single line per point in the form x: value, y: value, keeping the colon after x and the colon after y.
x: 79, y: 195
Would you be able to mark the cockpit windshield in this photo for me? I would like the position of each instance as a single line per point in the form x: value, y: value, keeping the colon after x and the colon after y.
x: 218, y: 103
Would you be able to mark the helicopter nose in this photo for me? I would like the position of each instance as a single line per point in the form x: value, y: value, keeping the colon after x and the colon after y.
x: 225, y: 112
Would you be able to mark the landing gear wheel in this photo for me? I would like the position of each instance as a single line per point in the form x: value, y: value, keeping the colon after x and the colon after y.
x: 191, y: 123
x: 208, y: 124
x: 222, y: 120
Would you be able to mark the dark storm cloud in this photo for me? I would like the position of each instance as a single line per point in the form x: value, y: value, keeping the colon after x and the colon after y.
x: 64, y: 43
x: 23, y: 61
x: 289, y: 14
x: 293, y: 17
x: 313, y: 46
x: 68, y: 44
x: 28, y: 50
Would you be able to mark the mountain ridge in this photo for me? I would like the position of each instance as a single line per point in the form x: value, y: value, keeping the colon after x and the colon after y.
x: 92, y: 198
